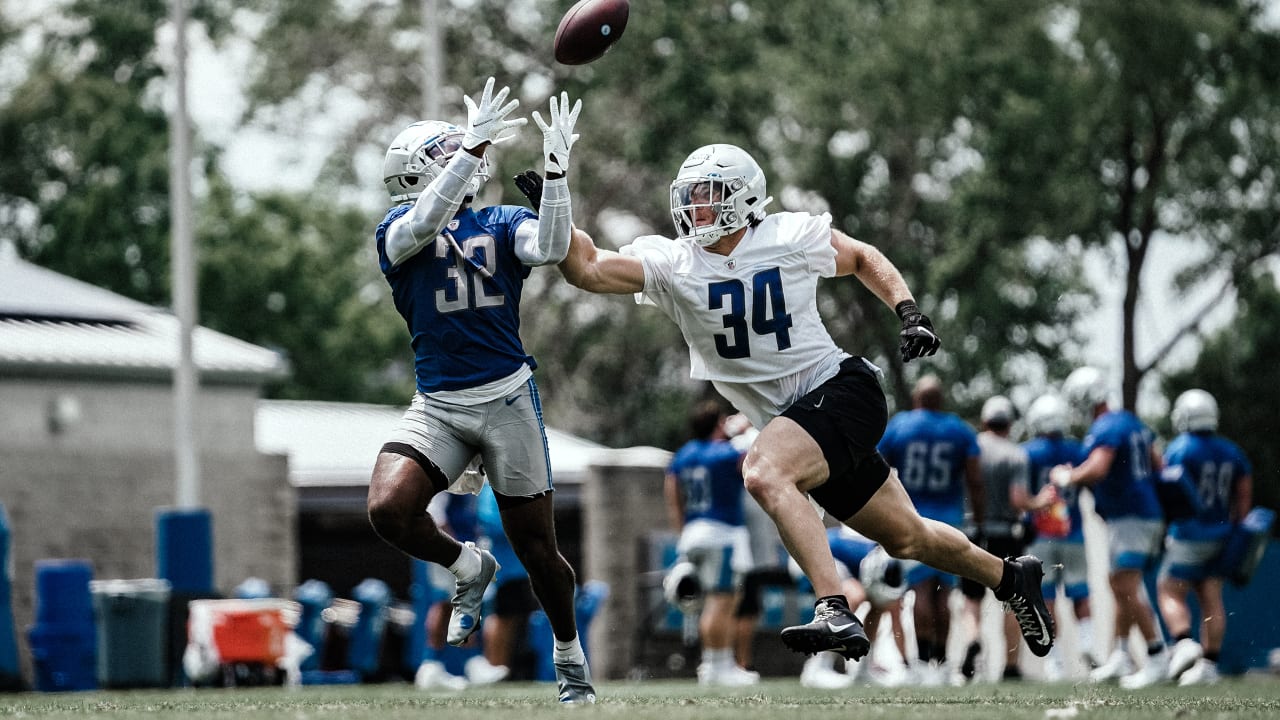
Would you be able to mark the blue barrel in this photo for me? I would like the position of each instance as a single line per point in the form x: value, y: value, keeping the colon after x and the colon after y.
x: 364, y: 653
x: 184, y: 549
x: 10, y: 672
x: 63, y: 639
x: 314, y: 597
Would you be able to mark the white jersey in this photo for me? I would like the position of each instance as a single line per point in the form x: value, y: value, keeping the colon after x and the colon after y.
x: 750, y: 318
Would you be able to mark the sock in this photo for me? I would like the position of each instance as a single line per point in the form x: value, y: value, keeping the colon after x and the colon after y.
x: 1084, y: 631
x: 837, y: 600
x: 1211, y: 657
x: 718, y: 658
x: 570, y: 652
x: 1155, y: 647
x: 1004, y: 590
x: 467, y: 566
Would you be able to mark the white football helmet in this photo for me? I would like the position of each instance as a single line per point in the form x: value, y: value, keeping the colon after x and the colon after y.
x: 1195, y: 411
x: 1085, y: 388
x: 418, y: 155
x: 883, y: 576
x: 1048, y: 415
x: 682, y: 587
x: 997, y: 409
x: 724, y: 179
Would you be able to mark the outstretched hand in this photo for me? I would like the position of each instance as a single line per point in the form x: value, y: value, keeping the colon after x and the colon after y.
x: 558, y: 136
x: 917, y: 337
x: 529, y: 182
x: 487, y: 121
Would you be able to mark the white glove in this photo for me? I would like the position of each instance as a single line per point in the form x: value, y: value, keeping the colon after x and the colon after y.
x: 488, y: 123
x: 558, y: 137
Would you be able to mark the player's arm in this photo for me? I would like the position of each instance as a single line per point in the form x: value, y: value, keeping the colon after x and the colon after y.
x: 549, y: 242
x: 601, y: 271
x: 1094, y: 468
x: 675, y: 502
x: 1241, y: 498
x: 881, y: 277
x: 487, y: 124
x: 977, y: 490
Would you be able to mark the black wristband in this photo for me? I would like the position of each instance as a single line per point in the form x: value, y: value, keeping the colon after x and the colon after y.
x: 905, y: 308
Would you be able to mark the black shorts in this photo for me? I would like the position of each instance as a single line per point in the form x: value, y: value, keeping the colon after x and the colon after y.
x: 846, y: 416
x: 514, y: 598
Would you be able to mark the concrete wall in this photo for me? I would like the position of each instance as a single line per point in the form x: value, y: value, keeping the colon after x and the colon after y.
x: 89, y: 484
x: 621, y: 504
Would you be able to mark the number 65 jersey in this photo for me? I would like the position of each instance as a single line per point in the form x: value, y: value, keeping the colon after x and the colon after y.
x: 750, y: 318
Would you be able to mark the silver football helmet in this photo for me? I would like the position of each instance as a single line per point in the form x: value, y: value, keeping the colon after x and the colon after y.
x: 1085, y: 388
x: 683, y: 589
x: 1048, y: 415
x: 418, y: 155
x: 1195, y: 411
x: 719, y: 190
x: 883, y: 576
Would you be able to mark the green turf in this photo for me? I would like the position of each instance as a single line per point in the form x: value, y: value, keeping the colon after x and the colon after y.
x: 772, y: 700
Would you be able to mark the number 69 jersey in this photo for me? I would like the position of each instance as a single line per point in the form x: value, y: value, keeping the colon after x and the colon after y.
x: 464, y: 326
x: 750, y: 317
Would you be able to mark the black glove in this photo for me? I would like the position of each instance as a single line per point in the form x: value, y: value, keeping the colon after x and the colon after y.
x: 529, y: 182
x: 918, y: 337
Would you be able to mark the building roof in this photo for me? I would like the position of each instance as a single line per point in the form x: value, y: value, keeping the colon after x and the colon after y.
x: 54, y: 324
x: 331, y: 444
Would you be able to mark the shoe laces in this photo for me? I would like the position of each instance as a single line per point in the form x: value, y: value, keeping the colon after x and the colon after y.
x: 826, y: 611
x: 1024, y: 612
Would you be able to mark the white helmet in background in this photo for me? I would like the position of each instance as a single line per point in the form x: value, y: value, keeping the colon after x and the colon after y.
x: 1048, y: 415
x: 724, y: 178
x: 418, y: 155
x: 682, y: 588
x: 1195, y: 411
x: 884, y: 577
x: 1085, y: 388
x: 997, y: 409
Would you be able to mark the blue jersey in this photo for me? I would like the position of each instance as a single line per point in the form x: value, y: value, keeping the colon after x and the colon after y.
x: 710, y: 481
x: 1046, y: 452
x: 460, y: 512
x: 929, y: 450
x: 465, y: 327
x: 1128, y: 490
x: 849, y: 548
x: 1212, y: 466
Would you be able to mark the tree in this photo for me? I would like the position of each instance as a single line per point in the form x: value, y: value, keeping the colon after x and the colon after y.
x: 1178, y: 105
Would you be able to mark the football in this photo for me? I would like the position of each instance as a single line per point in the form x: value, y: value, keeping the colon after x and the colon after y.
x: 589, y: 29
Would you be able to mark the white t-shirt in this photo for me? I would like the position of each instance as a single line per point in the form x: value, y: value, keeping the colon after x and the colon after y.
x: 750, y: 318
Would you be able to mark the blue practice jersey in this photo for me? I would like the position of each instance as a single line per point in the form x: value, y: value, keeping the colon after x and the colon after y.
x: 1213, y: 466
x: 1046, y: 452
x: 1128, y: 490
x: 929, y: 450
x: 849, y: 548
x: 494, y: 537
x: 465, y: 328
x: 710, y: 481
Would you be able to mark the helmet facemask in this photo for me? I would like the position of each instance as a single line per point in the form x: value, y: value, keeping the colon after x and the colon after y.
x: 718, y: 191
x: 410, y: 169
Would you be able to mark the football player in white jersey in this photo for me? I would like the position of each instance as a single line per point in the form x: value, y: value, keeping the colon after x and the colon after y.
x: 742, y: 286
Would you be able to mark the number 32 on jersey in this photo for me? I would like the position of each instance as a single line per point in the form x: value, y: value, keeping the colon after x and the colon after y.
x: 768, y: 310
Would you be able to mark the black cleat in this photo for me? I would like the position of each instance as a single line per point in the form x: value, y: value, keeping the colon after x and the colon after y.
x: 1027, y: 605
x: 969, y: 668
x: 834, y: 627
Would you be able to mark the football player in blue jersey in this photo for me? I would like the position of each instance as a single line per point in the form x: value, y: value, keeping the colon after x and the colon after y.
x: 456, y: 274
x: 936, y: 455
x: 1059, y: 526
x: 1120, y: 463
x: 1220, y: 479
x: 704, y: 497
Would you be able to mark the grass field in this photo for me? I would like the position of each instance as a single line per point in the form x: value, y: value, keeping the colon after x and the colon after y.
x: 772, y: 700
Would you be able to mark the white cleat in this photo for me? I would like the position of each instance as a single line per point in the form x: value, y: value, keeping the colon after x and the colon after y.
x: 1117, y: 666
x: 481, y: 672
x: 1204, y: 672
x: 432, y: 675
x: 1156, y: 670
x: 1186, y: 653
x: 816, y: 675
x: 732, y: 676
